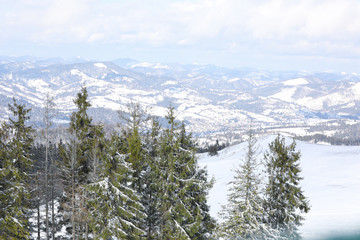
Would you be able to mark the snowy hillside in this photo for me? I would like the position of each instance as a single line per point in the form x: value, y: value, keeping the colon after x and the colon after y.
x: 331, y: 182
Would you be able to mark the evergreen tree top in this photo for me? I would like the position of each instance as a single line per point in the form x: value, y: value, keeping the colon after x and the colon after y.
x: 80, y: 121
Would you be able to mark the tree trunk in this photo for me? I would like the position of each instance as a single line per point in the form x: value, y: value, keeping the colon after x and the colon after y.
x: 52, y: 207
x: 46, y: 184
x: 38, y: 205
x: 73, y: 201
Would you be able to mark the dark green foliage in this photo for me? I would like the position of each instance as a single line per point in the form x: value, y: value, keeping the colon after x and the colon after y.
x: 347, y: 141
x: 144, y: 183
x: 284, y: 196
x: 80, y: 128
x: 151, y: 185
x: 183, y: 186
x: 212, y: 149
x: 16, y: 140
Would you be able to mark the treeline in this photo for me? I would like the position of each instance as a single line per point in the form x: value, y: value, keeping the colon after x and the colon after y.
x: 213, y: 149
x: 316, y: 138
x: 142, y: 182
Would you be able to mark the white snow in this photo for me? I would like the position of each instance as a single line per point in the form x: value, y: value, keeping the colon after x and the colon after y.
x: 159, y: 65
x: 356, y: 89
x: 150, y: 65
x: 296, y: 82
x: 100, y: 65
x: 127, y: 79
x: 143, y: 64
x: 167, y: 83
x: 331, y: 183
x: 234, y: 80
x: 285, y: 94
x: 2, y: 87
x: 40, y: 85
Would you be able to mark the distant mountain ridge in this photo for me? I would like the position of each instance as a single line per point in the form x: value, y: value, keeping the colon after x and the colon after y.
x: 210, y: 98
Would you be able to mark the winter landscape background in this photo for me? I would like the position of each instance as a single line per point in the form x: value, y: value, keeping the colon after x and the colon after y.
x: 220, y: 103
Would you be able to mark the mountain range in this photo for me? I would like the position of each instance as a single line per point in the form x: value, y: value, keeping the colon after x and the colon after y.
x: 212, y: 100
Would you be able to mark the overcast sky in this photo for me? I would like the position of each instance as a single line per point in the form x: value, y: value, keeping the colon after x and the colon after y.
x: 267, y: 34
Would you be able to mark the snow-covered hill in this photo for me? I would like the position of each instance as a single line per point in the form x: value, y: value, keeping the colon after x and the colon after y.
x: 331, y: 182
x: 211, y: 99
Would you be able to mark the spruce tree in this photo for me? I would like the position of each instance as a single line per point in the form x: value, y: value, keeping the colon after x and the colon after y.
x: 6, y: 210
x: 15, y: 162
x: 243, y: 215
x: 183, y: 186
x: 135, y: 143
x: 77, y: 163
x: 195, y: 187
x: 152, y: 182
x: 285, y: 200
x: 80, y: 127
x: 115, y: 208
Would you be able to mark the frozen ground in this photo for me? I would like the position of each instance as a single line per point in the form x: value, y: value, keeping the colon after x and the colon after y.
x: 331, y: 182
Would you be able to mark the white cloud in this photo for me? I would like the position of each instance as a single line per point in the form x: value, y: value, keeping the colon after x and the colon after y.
x: 317, y: 27
x: 262, y: 20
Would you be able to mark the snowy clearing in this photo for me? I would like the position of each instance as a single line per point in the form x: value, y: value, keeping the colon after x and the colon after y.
x: 331, y: 183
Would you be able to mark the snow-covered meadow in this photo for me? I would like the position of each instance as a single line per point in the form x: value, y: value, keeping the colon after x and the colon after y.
x: 331, y: 183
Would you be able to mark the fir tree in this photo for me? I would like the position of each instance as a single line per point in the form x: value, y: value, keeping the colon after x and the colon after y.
x: 284, y: 197
x: 244, y: 212
x: 16, y: 141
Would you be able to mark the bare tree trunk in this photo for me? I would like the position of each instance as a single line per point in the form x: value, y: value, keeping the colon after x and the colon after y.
x: 49, y: 114
x: 73, y: 210
x: 38, y: 205
x: 86, y: 231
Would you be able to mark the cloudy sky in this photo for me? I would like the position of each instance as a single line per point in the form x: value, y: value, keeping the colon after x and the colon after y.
x: 313, y: 35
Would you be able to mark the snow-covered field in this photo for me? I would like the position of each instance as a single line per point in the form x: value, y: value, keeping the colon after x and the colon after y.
x: 331, y: 183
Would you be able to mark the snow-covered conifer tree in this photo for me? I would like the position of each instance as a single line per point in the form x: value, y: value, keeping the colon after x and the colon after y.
x: 244, y: 213
x: 183, y: 186
x: 115, y: 209
x: 285, y: 200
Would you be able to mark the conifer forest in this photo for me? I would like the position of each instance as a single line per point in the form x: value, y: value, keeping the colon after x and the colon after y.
x: 141, y: 180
